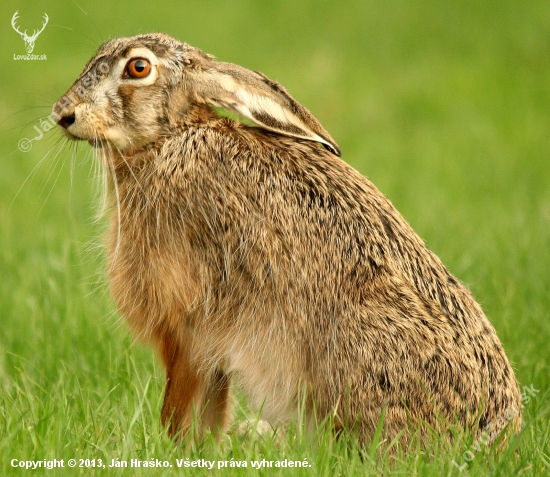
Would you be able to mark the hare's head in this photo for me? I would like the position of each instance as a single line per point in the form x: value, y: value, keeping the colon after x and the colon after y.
x: 138, y: 89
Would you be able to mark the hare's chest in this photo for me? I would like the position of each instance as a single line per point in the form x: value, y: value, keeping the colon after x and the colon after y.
x: 154, y: 281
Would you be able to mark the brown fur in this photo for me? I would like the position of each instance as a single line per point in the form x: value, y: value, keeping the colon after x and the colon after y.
x: 255, y: 253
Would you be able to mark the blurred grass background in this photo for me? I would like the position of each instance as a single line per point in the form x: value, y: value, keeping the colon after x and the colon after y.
x: 445, y: 106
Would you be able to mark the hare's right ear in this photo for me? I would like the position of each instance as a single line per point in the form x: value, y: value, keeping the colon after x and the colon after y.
x: 260, y: 100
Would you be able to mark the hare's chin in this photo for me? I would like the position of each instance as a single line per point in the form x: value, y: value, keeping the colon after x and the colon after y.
x: 69, y: 135
x: 98, y: 143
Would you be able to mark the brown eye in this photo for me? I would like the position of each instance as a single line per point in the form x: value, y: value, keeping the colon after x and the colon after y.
x: 138, y: 68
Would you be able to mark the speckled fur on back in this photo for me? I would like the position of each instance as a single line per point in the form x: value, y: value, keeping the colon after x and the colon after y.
x: 256, y: 254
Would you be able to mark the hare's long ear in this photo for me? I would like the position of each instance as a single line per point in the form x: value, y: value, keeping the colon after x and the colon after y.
x: 262, y: 101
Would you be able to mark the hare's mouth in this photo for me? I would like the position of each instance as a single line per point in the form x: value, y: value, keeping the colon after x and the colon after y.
x: 69, y: 135
x: 94, y: 142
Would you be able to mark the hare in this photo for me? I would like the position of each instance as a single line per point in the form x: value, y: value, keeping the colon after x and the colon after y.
x: 253, y: 253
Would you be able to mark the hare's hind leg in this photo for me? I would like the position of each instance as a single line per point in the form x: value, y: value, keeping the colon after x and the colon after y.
x: 217, y: 414
x: 190, y: 392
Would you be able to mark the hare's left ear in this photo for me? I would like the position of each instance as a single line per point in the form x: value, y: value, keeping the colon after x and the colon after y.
x: 260, y: 100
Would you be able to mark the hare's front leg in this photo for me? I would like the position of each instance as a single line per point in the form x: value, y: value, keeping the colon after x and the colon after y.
x: 189, y: 390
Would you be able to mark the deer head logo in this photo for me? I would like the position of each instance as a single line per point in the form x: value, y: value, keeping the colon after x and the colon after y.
x: 29, y: 40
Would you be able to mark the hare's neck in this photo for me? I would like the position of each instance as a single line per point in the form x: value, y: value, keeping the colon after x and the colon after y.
x: 127, y: 178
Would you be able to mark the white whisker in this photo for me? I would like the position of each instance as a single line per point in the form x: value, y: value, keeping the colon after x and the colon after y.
x: 34, y: 171
x: 111, y: 167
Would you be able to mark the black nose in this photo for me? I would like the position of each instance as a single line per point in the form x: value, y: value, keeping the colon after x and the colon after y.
x: 66, y: 121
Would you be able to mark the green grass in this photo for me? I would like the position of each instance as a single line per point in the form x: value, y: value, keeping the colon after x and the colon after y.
x: 445, y: 106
